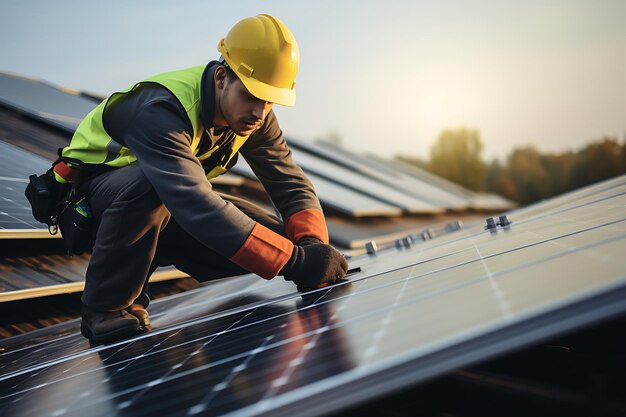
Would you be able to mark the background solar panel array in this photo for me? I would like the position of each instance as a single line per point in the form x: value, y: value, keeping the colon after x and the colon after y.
x: 60, y: 107
x: 355, y: 180
x: 337, y: 196
x: 390, y: 177
x: 409, y: 315
x: 476, y: 200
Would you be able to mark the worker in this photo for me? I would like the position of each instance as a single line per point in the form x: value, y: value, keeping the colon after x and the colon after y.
x: 154, y: 147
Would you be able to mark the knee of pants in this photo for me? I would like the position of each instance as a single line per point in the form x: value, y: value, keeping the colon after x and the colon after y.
x: 140, y: 193
x: 125, y: 189
x: 147, y: 203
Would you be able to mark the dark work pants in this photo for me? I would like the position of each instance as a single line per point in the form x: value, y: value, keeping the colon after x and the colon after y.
x: 136, y: 234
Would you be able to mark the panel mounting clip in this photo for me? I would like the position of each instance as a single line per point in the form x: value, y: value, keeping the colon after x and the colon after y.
x: 491, y: 225
x: 504, y: 221
x: 371, y: 248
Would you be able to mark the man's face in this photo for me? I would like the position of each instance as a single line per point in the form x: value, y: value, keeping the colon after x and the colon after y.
x: 241, y: 111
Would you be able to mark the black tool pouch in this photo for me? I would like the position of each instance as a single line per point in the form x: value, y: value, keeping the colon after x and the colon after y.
x: 77, y: 224
x: 63, y: 206
x: 46, y: 199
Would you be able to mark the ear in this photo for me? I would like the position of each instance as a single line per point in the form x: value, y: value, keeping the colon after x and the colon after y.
x: 220, y: 77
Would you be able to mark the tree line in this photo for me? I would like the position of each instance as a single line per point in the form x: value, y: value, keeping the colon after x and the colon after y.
x: 527, y: 175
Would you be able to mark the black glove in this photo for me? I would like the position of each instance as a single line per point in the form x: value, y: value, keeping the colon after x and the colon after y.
x: 315, y: 266
x: 308, y: 240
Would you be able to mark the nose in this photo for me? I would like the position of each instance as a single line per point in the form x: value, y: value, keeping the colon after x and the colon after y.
x: 260, y: 109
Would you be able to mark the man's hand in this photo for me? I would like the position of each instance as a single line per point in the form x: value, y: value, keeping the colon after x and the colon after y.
x: 315, y: 266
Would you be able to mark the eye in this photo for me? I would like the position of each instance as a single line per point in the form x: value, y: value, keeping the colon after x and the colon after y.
x: 248, y: 96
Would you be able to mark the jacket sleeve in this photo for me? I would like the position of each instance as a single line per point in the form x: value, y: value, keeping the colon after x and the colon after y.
x: 157, y: 131
x: 270, y: 158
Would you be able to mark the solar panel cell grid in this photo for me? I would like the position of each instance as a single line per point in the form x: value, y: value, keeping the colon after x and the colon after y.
x: 15, y: 211
x: 176, y: 310
x: 16, y: 166
x: 20, y: 164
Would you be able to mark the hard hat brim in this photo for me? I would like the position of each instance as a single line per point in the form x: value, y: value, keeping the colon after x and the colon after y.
x: 282, y: 96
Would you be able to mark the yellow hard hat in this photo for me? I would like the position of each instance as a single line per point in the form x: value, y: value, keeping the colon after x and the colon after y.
x: 264, y: 55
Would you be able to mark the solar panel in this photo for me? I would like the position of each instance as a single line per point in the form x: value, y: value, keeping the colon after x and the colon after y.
x: 60, y: 107
x: 490, y: 202
x: 15, y: 167
x: 386, y: 174
x: 336, y: 196
x: 362, y: 184
x: 574, y: 198
x: 15, y: 211
x: 173, y: 310
x: 477, y: 201
x: 411, y: 314
x: 17, y: 163
x: 342, y: 199
x: 356, y: 233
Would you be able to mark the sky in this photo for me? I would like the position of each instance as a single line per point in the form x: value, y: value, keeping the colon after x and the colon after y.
x: 382, y: 76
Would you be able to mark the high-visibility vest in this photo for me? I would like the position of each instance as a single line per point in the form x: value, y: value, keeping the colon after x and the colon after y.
x: 92, y: 145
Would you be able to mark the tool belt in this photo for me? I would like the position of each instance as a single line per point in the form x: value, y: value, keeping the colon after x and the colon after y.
x: 64, y: 206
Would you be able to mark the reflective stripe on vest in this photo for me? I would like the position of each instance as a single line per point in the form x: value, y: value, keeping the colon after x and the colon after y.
x: 92, y: 144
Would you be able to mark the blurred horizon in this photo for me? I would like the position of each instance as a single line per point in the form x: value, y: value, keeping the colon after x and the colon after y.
x: 384, y: 78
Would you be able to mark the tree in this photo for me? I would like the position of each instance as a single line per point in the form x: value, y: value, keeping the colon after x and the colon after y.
x: 457, y: 156
x: 598, y: 161
x: 529, y: 175
x: 499, y: 181
x: 559, y: 168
